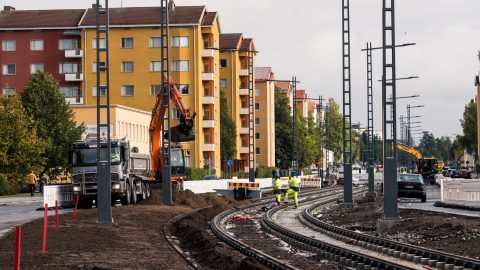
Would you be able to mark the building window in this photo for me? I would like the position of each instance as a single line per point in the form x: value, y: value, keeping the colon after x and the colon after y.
x: 257, y: 106
x: 257, y: 121
x: 155, y: 89
x: 155, y: 66
x: 155, y: 42
x: 103, y: 91
x: 223, y: 83
x: 69, y: 91
x: 175, y: 113
x: 127, y: 66
x: 68, y: 68
x: 8, y: 45
x: 68, y: 44
x: 207, y: 138
x: 128, y: 90
x: 36, y: 67
x: 257, y: 135
x: 223, y: 63
x: 180, y: 65
x: 183, y: 88
x: 9, y: 69
x: 257, y: 150
x: 179, y: 41
x: 127, y: 43
x: 102, y: 43
x: 257, y: 92
x: 9, y: 92
x: 36, y: 45
x: 94, y: 66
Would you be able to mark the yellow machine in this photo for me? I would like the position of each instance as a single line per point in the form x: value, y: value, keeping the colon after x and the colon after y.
x: 427, y: 167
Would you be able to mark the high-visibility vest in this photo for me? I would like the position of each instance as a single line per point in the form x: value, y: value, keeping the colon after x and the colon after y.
x: 293, y: 182
x: 277, y: 184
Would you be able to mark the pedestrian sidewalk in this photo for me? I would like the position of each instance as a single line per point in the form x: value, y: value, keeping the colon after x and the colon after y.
x: 38, y: 199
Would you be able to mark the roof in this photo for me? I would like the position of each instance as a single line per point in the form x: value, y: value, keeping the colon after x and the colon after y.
x: 263, y: 73
x: 147, y: 15
x: 40, y: 18
x: 300, y: 94
x: 209, y: 18
x: 247, y: 44
x: 312, y: 106
x: 284, y: 86
x: 230, y: 41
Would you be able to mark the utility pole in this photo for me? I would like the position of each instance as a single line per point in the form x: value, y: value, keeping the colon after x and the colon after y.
x: 104, y: 201
x: 251, y: 117
x: 294, y: 126
x: 165, y: 88
x: 347, y: 108
x: 321, y: 134
x: 326, y: 138
x: 389, y: 82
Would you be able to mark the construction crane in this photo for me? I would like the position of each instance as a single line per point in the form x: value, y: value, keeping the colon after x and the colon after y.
x: 427, y: 167
x: 184, y: 132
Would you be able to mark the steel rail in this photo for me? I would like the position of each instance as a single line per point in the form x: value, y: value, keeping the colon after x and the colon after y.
x: 408, y: 252
x: 263, y: 258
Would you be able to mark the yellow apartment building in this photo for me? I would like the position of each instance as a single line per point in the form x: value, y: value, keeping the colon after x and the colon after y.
x: 125, y: 122
x: 234, y: 81
x: 265, y: 112
x: 134, y: 47
x: 301, y: 103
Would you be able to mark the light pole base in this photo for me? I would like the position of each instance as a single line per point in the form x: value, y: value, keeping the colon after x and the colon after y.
x: 385, y: 224
x: 348, y: 205
x: 371, y: 195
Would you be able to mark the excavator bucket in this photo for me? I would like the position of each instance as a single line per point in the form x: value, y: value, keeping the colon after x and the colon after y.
x: 181, y: 134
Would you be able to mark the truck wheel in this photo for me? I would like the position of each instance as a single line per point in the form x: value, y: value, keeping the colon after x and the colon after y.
x: 126, y: 200
x: 86, y: 203
x: 134, y: 194
x: 144, y: 191
x: 147, y: 187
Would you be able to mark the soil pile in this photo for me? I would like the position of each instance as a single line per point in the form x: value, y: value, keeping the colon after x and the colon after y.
x: 134, y: 241
x: 445, y: 232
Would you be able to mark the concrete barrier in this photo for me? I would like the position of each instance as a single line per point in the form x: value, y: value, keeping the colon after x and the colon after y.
x: 460, y: 191
x: 205, y: 186
x: 62, y: 193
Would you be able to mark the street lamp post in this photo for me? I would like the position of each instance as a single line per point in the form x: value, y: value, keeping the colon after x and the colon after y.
x: 409, y: 127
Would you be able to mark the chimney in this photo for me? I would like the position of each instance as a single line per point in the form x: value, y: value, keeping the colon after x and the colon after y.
x: 8, y: 8
x: 171, y: 5
x: 94, y: 6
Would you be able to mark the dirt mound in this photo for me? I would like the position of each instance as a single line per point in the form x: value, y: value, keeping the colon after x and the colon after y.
x: 189, y: 199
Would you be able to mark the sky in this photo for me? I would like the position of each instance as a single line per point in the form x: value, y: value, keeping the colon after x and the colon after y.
x: 303, y: 38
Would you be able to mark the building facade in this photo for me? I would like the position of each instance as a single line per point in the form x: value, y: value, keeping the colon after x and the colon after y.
x: 265, y: 112
x: 234, y: 82
x: 63, y: 43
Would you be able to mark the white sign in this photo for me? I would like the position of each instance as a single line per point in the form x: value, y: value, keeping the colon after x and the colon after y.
x: 91, y: 131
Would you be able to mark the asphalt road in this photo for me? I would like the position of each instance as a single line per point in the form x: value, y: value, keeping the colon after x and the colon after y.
x: 15, y: 211
x: 433, y: 195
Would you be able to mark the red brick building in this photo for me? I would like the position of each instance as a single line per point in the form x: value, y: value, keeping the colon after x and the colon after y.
x: 45, y: 40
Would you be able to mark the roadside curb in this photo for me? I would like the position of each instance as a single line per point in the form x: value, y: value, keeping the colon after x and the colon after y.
x: 19, y: 202
x: 456, y: 206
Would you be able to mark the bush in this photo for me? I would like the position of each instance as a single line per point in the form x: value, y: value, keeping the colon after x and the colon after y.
x: 265, y: 172
x: 5, y: 188
x: 241, y: 174
x: 198, y: 173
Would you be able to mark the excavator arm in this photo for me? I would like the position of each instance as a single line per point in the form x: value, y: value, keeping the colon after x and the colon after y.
x: 183, y: 132
x: 412, y: 151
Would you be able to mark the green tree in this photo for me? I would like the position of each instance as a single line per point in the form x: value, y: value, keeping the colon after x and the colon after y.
x: 228, y: 134
x: 307, y: 140
x: 54, y: 119
x: 334, y: 134
x: 283, y: 131
x: 21, y: 149
x: 469, y: 125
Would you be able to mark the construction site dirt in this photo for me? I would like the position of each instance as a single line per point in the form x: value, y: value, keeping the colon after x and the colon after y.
x: 445, y: 232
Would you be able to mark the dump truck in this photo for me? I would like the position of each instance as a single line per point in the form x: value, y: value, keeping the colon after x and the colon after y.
x: 130, y: 175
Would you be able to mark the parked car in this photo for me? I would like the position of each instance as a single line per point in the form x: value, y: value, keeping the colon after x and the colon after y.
x: 411, y: 186
x: 211, y: 177
x: 465, y: 174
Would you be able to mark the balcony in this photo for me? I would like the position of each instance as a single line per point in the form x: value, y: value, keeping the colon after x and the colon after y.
x: 243, y: 111
x: 208, y: 53
x: 243, y: 72
x: 208, y: 123
x: 244, y: 150
x: 74, y: 77
x: 73, y: 53
x: 243, y: 92
x: 208, y: 100
x: 208, y: 147
x: 74, y: 100
x: 244, y: 130
x: 208, y: 76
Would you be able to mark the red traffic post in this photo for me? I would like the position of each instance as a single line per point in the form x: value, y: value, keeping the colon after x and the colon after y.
x: 45, y: 226
x: 17, y: 247
x: 75, y: 209
x: 56, y: 215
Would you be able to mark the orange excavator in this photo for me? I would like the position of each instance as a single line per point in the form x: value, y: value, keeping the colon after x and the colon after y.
x: 184, y: 132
